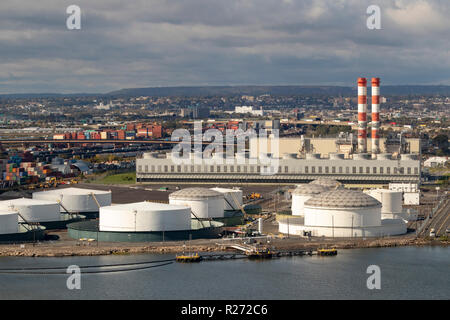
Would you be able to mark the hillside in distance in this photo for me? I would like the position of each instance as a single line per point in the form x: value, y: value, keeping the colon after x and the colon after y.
x: 402, y: 90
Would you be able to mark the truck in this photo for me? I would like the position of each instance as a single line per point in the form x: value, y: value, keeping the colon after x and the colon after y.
x: 432, y: 233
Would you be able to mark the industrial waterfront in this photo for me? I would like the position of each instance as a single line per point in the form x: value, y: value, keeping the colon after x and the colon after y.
x: 406, y: 273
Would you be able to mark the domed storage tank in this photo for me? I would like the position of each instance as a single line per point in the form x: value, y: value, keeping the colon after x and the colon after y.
x: 301, y: 194
x: 204, y: 203
x: 342, y: 208
x: 33, y: 210
x: 76, y: 199
x: 144, y: 217
x: 325, y: 182
x: 9, y: 222
x: 233, y: 198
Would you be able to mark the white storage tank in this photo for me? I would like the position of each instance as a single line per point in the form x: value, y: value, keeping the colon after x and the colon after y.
x: 204, y: 203
x: 342, y: 208
x: 33, y: 210
x: 391, y: 201
x: 76, y: 200
x: 233, y: 198
x: 9, y: 222
x: 301, y: 194
x: 144, y: 217
x: 325, y: 182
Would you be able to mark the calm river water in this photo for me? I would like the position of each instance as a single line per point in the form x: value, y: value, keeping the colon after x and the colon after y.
x: 406, y: 273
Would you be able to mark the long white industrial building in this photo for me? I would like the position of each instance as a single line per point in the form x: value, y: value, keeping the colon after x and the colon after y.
x: 361, y: 168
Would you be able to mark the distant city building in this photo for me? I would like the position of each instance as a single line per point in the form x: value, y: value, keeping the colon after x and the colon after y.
x: 249, y: 109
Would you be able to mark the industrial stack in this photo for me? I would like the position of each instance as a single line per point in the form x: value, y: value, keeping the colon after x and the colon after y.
x: 362, y: 115
x: 375, y: 116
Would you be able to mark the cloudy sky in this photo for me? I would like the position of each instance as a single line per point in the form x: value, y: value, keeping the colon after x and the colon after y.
x: 149, y: 43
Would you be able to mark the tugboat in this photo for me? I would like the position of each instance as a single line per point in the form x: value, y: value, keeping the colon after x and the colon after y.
x: 189, y: 258
x: 263, y: 253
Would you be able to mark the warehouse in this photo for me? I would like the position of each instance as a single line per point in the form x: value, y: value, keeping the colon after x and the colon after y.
x: 342, y: 213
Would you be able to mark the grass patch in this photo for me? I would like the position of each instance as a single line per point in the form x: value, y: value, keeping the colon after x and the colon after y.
x: 120, y: 178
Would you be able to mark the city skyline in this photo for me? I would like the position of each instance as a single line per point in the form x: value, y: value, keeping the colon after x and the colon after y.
x: 213, y: 43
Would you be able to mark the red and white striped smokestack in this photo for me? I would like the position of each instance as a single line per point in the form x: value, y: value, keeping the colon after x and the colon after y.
x: 362, y: 115
x: 375, y: 115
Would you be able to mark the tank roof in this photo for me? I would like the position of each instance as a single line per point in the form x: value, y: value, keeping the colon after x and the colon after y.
x: 342, y: 198
x: 330, y: 183
x: 145, y: 205
x: 305, y: 189
x: 27, y: 201
x: 195, y: 193
x: 75, y: 191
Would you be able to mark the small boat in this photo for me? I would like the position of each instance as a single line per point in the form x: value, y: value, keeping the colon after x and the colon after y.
x: 326, y: 252
x: 189, y: 258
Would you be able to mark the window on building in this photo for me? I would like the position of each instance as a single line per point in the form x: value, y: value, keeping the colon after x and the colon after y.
x: 231, y: 168
x: 395, y: 170
x: 139, y: 168
x: 179, y: 168
x: 211, y: 168
x: 166, y: 168
x: 416, y: 170
x: 320, y: 169
x: 146, y: 168
x: 354, y: 170
x: 361, y: 170
x: 286, y: 169
x: 238, y: 168
x: 306, y: 169
x: 153, y: 168
x: 258, y: 169
x: 381, y: 170
x: 192, y: 168
x: 218, y: 168
x: 388, y: 170
x: 409, y: 170
x: 313, y: 169
x: 333, y: 170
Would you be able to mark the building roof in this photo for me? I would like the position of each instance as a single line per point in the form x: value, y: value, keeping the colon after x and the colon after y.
x: 195, y: 193
x: 306, y: 189
x: 342, y: 198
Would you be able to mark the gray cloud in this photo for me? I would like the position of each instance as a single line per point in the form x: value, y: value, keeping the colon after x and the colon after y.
x: 199, y: 42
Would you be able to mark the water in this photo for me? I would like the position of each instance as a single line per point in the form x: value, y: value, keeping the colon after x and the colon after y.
x: 406, y: 273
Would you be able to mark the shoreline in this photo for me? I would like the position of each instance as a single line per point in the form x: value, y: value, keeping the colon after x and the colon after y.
x: 104, y: 249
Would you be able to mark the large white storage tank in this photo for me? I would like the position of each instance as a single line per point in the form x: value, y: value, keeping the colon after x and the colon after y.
x: 392, y: 201
x: 204, y: 203
x: 342, y: 208
x: 33, y: 210
x: 303, y: 193
x: 144, y: 217
x: 325, y: 182
x: 76, y: 199
x: 9, y: 222
x: 233, y: 198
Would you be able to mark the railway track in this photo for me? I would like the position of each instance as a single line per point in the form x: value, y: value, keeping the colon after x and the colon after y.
x: 440, y: 220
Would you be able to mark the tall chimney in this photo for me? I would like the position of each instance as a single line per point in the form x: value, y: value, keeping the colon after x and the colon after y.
x: 375, y: 115
x: 362, y: 115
